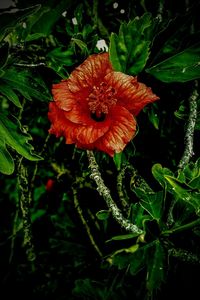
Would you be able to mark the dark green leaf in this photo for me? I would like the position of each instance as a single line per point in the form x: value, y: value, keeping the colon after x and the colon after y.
x: 49, y: 16
x: 153, y: 204
x: 64, y: 57
x: 25, y: 83
x: 182, y: 67
x: 4, y: 54
x: 155, y: 267
x: 8, y: 21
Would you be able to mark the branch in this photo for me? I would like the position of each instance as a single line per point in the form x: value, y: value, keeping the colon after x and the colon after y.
x: 189, y: 135
x: 105, y: 192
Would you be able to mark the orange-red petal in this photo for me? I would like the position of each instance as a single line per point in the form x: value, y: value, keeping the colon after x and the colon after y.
x: 130, y: 93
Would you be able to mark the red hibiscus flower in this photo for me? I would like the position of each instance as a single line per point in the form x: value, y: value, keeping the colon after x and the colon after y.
x: 95, y: 107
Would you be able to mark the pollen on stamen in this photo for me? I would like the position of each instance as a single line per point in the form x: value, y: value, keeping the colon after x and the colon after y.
x: 101, y: 98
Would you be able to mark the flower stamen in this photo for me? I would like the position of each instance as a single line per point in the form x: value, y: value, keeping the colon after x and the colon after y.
x: 100, y: 100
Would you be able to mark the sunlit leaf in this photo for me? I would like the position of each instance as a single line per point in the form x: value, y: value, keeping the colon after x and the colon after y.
x: 26, y: 84
x: 6, y: 160
x: 103, y: 214
x: 11, y: 134
x: 185, y: 193
x: 159, y: 174
x: 182, y: 67
x: 129, y: 50
x: 123, y: 237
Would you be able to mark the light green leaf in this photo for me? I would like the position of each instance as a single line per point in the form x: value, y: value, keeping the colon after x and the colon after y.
x: 10, y: 94
x: 118, y: 160
x: 159, y: 174
x: 123, y: 237
x: 129, y: 50
x: 27, y: 85
x: 185, y: 193
x: 6, y: 160
x: 103, y: 214
x: 11, y: 134
x: 182, y: 67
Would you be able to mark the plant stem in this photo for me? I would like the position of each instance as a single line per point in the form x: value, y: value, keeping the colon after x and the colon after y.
x: 182, y: 228
x: 80, y: 212
x: 105, y: 192
x: 189, y: 135
x: 25, y: 200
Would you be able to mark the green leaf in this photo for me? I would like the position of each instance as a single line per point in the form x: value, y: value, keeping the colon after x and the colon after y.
x: 8, y: 21
x: 155, y: 267
x: 4, y: 51
x: 159, y: 174
x: 129, y: 50
x: 153, y: 204
x: 122, y: 237
x: 49, y: 16
x: 185, y: 193
x: 10, y: 94
x: 64, y: 57
x: 182, y: 67
x: 26, y: 84
x: 11, y: 134
x: 103, y: 214
x: 6, y: 160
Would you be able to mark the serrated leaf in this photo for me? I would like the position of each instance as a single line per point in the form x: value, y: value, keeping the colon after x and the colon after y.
x: 129, y: 50
x: 12, y: 135
x: 155, y: 267
x: 182, y: 67
x: 9, y: 20
x: 6, y: 160
x: 27, y: 85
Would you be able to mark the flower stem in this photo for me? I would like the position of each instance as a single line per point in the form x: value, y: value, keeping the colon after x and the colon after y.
x: 105, y: 192
x: 182, y: 228
x: 189, y: 135
x: 80, y: 212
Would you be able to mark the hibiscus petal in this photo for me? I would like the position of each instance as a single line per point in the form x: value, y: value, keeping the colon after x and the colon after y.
x: 121, y: 131
x: 91, y: 72
x: 89, y: 134
x: 129, y: 92
x: 60, y: 126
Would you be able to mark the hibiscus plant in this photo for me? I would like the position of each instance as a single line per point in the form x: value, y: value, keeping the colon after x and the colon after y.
x: 99, y: 149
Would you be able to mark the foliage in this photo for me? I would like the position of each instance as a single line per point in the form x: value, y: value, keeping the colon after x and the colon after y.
x: 58, y: 237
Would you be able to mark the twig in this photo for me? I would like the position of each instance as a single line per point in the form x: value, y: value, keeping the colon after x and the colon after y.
x: 80, y: 212
x: 105, y: 192
x: 189, y: 135
x: 24, y: 197
x: 30, y: 65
